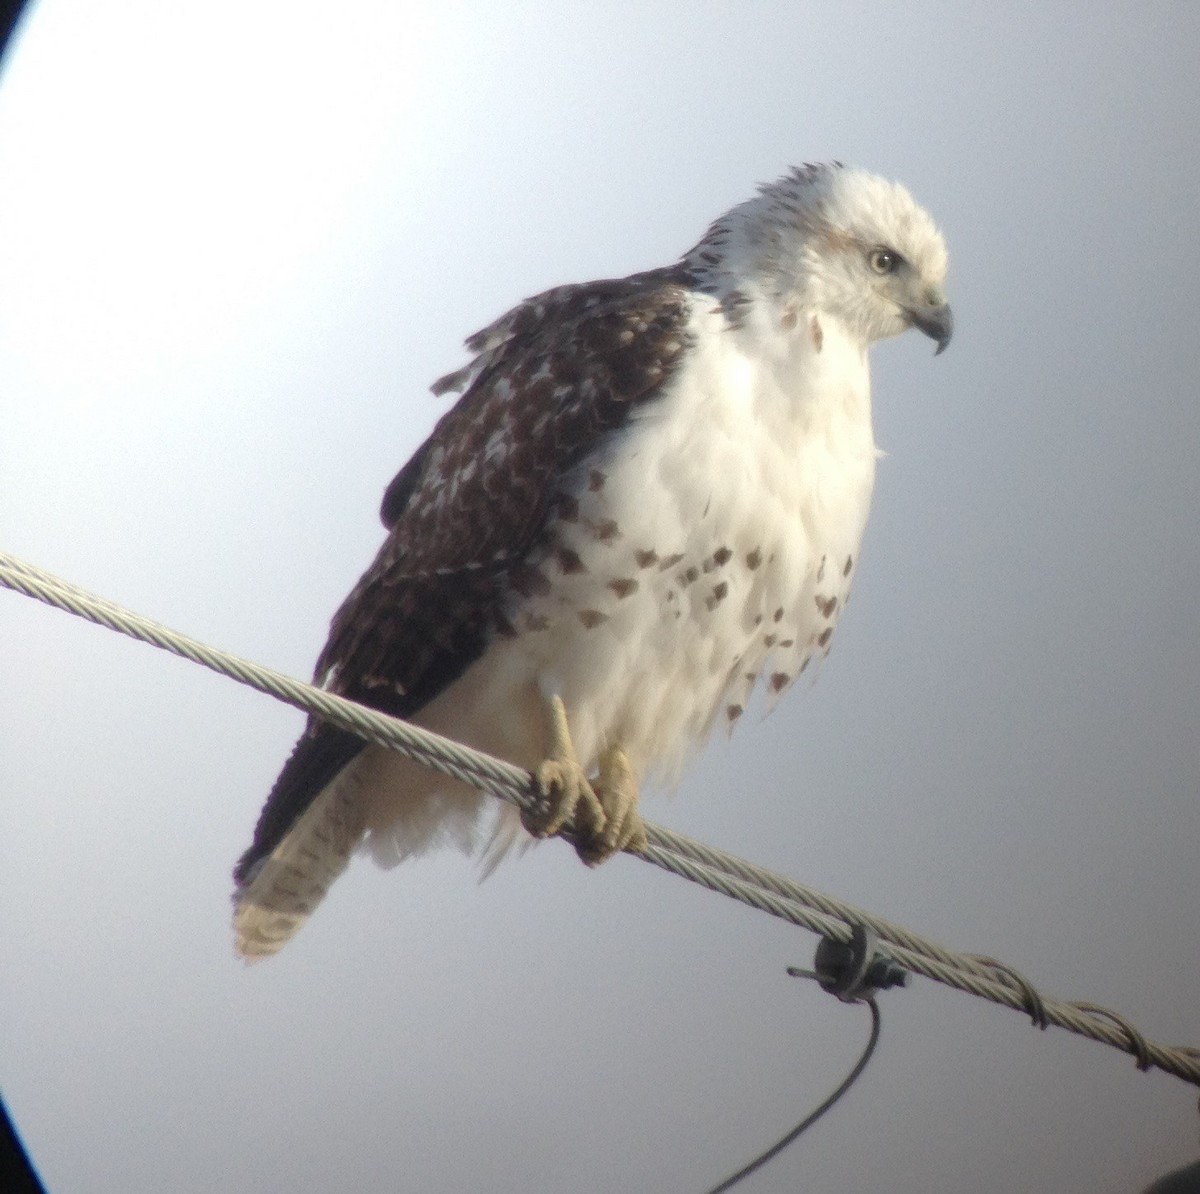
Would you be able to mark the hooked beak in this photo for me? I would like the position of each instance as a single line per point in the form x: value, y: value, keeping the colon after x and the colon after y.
x: 936, y: 322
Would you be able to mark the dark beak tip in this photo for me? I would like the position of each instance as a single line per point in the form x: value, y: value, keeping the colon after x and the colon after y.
x: 938, y: 325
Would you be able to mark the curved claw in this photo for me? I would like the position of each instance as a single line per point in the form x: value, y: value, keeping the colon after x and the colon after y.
x: 570, y: 798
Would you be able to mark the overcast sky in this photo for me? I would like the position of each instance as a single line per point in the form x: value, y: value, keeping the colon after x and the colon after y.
x: 238, y: 241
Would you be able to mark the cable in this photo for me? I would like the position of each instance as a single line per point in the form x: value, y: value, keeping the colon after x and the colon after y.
x: 815, y: 1115
x: 855, y: 972
x: 683, y: 856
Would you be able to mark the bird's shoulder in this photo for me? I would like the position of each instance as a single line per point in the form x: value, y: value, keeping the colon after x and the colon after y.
x: 545, y: 381
x: 548, y: 381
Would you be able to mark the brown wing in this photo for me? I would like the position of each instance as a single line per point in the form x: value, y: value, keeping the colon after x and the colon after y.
x: 551, y: 378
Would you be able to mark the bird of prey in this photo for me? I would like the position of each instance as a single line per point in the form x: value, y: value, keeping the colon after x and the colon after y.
x: 649, y: 498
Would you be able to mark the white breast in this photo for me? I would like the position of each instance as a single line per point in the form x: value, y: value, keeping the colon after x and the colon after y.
x: 713, y: 544
x: 709, y: 545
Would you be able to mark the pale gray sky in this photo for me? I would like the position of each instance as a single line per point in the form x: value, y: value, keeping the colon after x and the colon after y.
x: 238, y: 242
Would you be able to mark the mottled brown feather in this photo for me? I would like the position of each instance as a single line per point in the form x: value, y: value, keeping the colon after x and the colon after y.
x: 551, y: 379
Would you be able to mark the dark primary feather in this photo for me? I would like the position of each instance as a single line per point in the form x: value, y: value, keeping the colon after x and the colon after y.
x: 550, y: 380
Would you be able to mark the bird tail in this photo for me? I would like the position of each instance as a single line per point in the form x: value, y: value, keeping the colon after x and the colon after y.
x: 282, y: 878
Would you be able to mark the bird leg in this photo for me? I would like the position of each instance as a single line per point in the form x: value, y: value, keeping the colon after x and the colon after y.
x: 603, y: 817
x: 569, y: 795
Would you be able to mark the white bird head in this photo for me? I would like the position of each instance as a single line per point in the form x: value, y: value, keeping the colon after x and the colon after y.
x: 837, y: 241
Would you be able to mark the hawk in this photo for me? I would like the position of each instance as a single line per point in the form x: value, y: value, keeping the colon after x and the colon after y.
x: 649, y: 498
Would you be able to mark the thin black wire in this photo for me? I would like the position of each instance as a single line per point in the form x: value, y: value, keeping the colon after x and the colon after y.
x: 808, y: 1122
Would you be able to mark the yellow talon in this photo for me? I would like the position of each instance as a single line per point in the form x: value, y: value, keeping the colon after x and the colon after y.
x: 603, y: 815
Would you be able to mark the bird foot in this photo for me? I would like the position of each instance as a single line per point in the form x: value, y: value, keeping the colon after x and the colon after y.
x: 603, y: 817
x: 623, y: 828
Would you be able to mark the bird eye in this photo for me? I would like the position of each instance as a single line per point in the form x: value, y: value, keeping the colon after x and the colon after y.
x: 884, y: 261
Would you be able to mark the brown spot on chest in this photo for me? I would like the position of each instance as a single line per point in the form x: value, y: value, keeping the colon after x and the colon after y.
x: 568, y: 561
x: 604, y: 530
x: 754, y: 559
x: 646, y: 559
x: 818, y: 336
x: 623, y: 586
x: 719, y: 592
x: 596, y: 480
x: 591, y: 618
x: 826, y: 605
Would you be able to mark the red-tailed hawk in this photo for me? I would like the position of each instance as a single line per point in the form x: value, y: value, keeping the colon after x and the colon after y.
x: 649, y: 497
